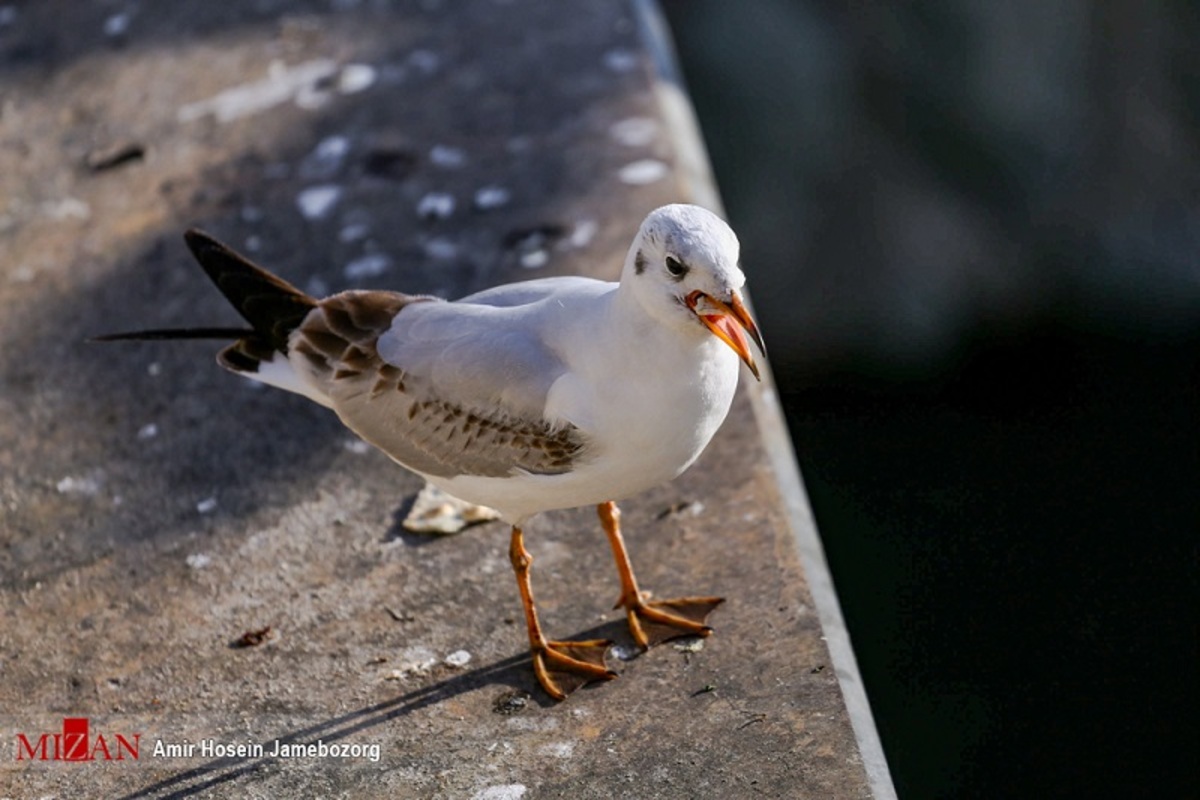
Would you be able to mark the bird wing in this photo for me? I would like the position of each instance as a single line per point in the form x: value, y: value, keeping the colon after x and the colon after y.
x: 443, y: 388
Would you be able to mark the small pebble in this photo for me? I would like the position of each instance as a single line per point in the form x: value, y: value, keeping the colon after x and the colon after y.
x: 640, y: 173
x: 459, y: 658
x: 507, y: 791
x: 512, y: 702
x: 354, y: 232
x: 414, y: 661
x: 634, y: 131
x: 585, y: 230
x: 333, y: 148
x: 534, y: 259
x: 435, y: 205
x: 207, y: 505
x: 326, y: 158
x: 199, y: 560
x: 620, y: 60
x: 116, y: 25
x: 67, y: 208
x: 317, y: 201
x: 368, y: 266
x: 441, y: 248
x: 444, y: 155
x: 88, y: 485
x: 356, y: 78
x: 148, y: 431
x: 490, y: 197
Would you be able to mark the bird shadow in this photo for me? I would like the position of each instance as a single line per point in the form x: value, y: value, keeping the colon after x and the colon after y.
x: 514, y: 672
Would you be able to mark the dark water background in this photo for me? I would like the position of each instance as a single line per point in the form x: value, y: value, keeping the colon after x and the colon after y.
x: 973, y: 237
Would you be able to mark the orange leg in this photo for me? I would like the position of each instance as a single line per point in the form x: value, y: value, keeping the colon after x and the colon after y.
x: 659, y: 620
x: 561, y: 667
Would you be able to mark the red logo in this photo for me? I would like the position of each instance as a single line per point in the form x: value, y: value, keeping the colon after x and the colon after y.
x: 76, y: 744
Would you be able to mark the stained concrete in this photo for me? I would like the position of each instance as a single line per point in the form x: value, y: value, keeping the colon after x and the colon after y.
x: 154, y: 509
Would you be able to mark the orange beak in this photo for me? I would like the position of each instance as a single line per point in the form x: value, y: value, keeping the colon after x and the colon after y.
x: 730, y: 322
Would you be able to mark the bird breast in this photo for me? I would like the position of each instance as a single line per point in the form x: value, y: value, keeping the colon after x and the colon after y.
x: 654, y: 411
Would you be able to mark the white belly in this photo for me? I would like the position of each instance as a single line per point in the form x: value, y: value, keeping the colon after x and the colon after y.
x: 642, y: 435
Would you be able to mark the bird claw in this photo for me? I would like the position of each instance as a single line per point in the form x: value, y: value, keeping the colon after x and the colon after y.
x: 655, y: 622
x: 563, y: 667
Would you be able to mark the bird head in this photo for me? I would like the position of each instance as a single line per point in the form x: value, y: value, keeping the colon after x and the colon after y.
x: 683, y: 268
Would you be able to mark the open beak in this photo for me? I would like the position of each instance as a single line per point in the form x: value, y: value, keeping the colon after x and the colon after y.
x: 730, y: 322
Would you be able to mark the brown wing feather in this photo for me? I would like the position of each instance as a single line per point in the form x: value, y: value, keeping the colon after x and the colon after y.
x: 400, y: 414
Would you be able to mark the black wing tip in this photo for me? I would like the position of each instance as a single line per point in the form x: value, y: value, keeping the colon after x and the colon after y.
x: 196, y: 237
x: 167, y: 334
x: 271, y: 305
x: 202, y: 243
x: 214, y: 255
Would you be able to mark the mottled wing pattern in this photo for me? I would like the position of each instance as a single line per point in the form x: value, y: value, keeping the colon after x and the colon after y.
x: 402, y: 413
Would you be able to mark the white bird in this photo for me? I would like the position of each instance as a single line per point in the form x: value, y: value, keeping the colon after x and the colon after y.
x: 530, y: 396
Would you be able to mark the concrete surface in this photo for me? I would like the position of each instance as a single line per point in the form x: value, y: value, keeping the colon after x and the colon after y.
x: 155, y: 509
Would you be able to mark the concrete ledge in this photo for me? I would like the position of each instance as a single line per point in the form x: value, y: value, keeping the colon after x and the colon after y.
x: 691, y: 162
x: 156, y: 509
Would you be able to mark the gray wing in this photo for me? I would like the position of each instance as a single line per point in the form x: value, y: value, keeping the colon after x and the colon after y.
x: 526, y: 293
x: 443, y: 388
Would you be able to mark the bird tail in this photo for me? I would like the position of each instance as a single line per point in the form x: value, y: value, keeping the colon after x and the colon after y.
x: 273, y: 307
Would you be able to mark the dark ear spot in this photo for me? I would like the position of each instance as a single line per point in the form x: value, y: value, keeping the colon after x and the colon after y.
x: 639, y: 263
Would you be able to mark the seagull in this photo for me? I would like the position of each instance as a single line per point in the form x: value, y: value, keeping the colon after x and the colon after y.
x: 530, y: 396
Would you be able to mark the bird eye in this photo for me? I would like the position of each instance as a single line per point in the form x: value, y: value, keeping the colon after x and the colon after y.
x: 676, y: 267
